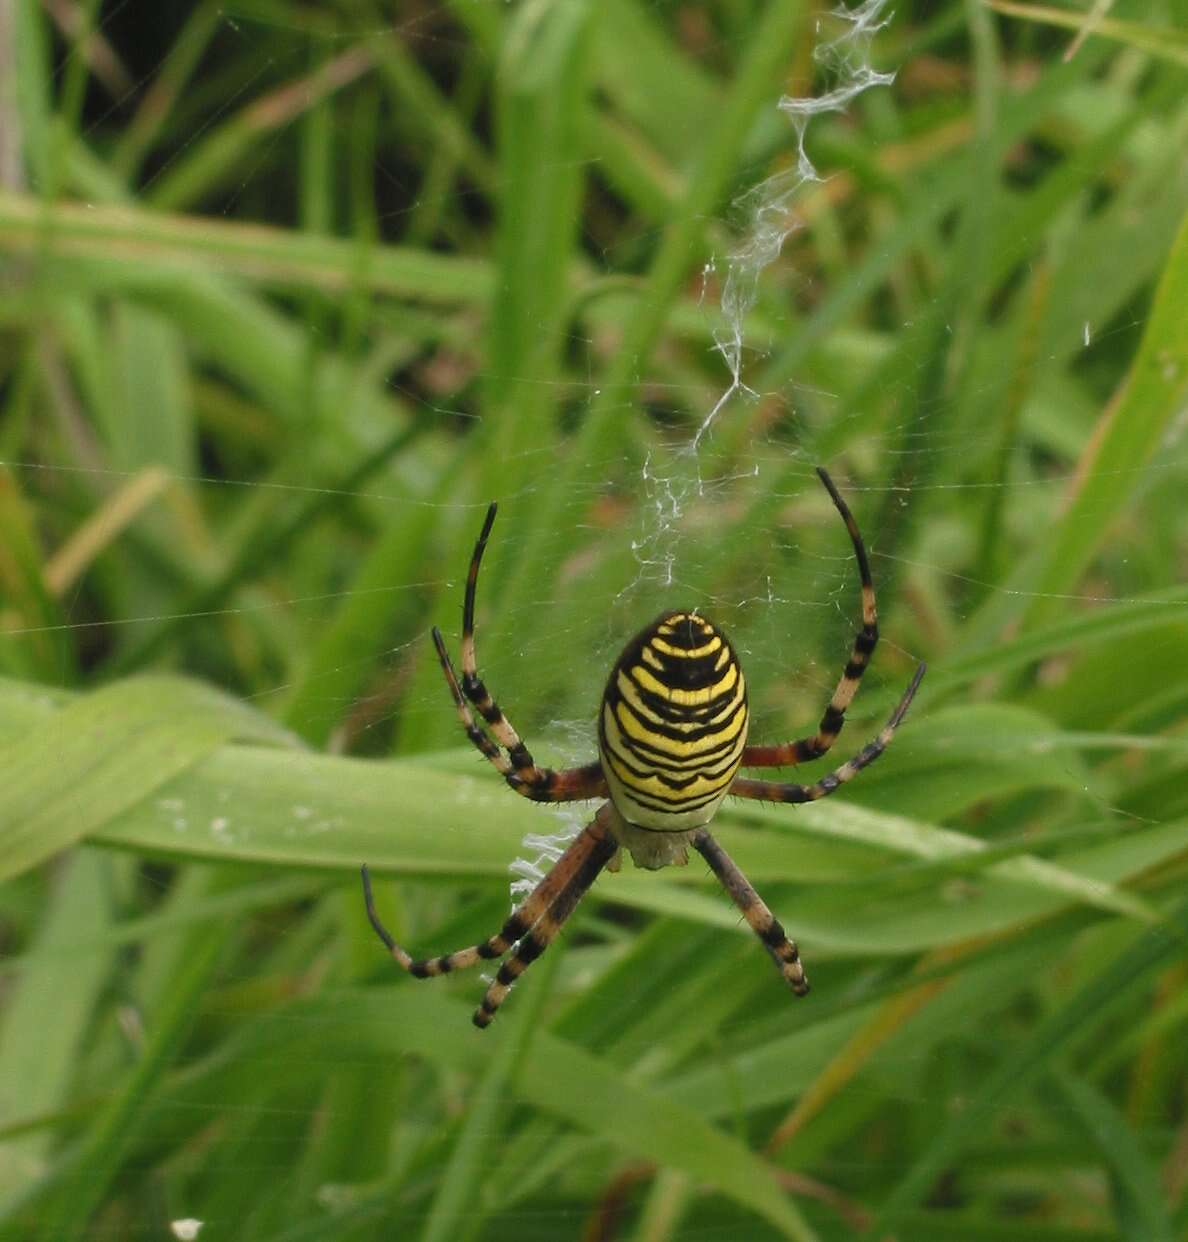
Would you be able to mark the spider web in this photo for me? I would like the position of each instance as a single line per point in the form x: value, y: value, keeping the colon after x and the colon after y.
x: 763, y: 218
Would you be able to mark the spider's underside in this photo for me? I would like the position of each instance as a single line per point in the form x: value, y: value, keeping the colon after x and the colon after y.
x: 672, y: 735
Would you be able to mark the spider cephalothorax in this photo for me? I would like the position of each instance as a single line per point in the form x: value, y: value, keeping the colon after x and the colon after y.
x: 672, y: 735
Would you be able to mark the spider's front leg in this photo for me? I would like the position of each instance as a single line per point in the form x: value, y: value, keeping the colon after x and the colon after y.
x: 517, y: 767
x: 778, y: 791
x: 865, y: 641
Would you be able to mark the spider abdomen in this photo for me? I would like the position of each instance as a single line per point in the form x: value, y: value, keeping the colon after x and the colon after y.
x: 673, y: 724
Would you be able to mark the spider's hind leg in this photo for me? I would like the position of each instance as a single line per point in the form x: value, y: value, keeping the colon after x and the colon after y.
x: 426, y: 968
x: 755, y: 910
x: 534, y: 923
x: 596, y: 853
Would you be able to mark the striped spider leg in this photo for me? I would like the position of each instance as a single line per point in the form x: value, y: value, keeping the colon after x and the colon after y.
x: 754, y: 909
x: 534, y: 924
x: 865, y: 641
x: 517, y: 767
x: 778, y: 791
x: 790, y: 753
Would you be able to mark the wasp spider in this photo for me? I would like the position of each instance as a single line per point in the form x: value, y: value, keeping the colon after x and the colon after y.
x: 672, y: 735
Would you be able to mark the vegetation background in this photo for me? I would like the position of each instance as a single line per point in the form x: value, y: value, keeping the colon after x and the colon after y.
x: 288, y: 292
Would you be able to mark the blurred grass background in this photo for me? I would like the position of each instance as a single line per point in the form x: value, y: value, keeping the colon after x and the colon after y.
x: 288, y: 292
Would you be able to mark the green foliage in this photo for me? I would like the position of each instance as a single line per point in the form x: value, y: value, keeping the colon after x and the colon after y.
x: 287, y: 294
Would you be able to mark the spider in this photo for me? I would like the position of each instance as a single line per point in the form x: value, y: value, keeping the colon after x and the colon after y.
x: 672, y: 735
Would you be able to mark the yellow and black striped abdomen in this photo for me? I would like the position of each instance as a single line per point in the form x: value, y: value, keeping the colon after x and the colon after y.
x: 673, y: 724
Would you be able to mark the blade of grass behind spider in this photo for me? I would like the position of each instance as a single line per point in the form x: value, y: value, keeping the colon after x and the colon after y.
x: 275, y: 805
x: 266, y: 542
x: 31, y: 54
x: 37, y: 645
x: 1140, y: 1202
x: 455, y: 1213
x: 382, y: 609
x: 172, y: 76
x: 314, y: 812
x: 103, y: 754
x: 357, y: 1025
x: 64, y: 974
x: 1073, y: 1019
x: 220, y: 155
x: 116, y: 245
x: 541, y: 105
x: 942, y: 393
x: 1168, y: 42
x: 95, y: 1161
x: 1127, y: 438
x: 541, y: 102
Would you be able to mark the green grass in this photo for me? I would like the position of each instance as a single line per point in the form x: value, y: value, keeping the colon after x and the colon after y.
x: 287, y: 295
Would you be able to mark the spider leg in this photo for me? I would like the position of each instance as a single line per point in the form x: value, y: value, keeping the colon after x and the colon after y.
x: 472, y: 684
x: 534, y: 923
x: 539, y: 784
x: 518, y: 767
x: 777, y: 791
x: 599, y: 850
x: 865, y: 640
x: 754, y: 909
